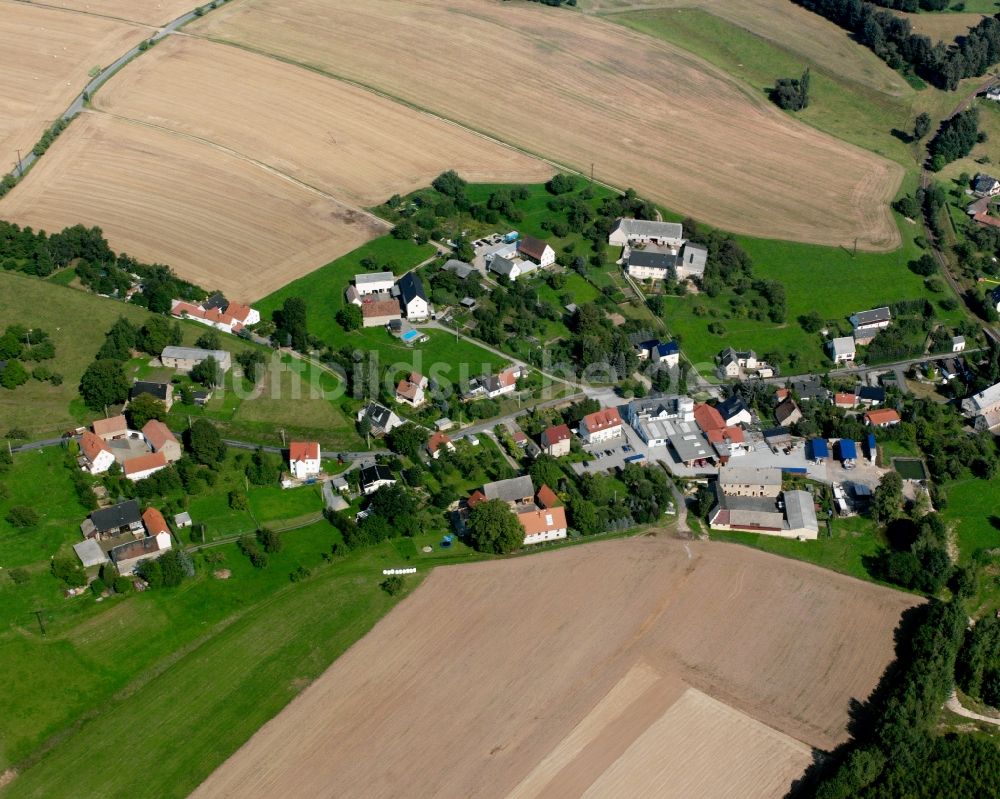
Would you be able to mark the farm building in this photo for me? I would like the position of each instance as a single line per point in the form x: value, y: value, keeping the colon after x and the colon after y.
x: 819, y: 449
x: 536, y: 251
x: 124, y: 517
x: 164, y: 392
x: 629, y: 232
x: 374, y: 283
x: 378, y: 310
x: 750, y: 481
x: 143, y: 466
x: 111, y: 429
x: 867, y: 324
x: 217, y: 312
x: 651, y: 265
x: 184, y: 359
x: 95, y: 455
x: 541, y: 515
x: 790, y: 515
x: 160, y: 439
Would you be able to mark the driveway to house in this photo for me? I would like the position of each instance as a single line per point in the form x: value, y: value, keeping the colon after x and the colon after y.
x: 959, y: 709
x: 81, y: 99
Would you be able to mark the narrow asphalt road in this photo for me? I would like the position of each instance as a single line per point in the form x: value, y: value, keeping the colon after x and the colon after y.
x: 88, y: 91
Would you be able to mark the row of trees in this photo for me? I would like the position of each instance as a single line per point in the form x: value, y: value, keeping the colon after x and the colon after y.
x: 892, y: 39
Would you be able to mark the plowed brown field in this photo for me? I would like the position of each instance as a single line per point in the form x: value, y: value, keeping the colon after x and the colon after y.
x: 218, y: 219
x: 644, y: 667
x: 44, y: 60
x: 584, y: 91
x: 348, y: 142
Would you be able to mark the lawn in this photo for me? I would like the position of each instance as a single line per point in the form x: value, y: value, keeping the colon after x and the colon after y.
x: 853, y: 539
x: 76, y: 322
x: 974, y: 511
x: 38, y: 480
x: 835, y: 282
x: 847, y: 110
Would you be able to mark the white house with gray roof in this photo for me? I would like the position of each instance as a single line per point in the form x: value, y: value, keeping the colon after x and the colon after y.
x: 842, y: 349
x: 374, y: 282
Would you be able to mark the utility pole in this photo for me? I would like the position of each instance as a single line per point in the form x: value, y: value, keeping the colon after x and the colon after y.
x: 41, y: 621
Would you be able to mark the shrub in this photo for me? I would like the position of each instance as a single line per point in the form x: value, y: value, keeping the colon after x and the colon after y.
x: 392, y: 584
x: 22, y: 516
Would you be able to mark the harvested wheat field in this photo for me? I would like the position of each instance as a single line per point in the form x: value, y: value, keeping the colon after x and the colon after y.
x: 643, y: 667
x: 348, y: 142
x: 582, y: 91
x: 149, y: 12
x: 44, y: 61
x: 791, y: 27
x: 219, y: 220
x: 943, y: 27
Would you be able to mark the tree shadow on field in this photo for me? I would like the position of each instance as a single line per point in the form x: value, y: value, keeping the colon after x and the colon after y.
x: 903, y: 136
x: 863, y: 715
x: 995, y: 522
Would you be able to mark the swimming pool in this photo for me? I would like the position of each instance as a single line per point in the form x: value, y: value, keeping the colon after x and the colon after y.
x: 409, y: 335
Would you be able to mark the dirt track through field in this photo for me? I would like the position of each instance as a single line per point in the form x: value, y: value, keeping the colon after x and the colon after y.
x: 616, y: 669
x: 44, y: 61
x: 582, y: 91
x: 218, y: 219
x: 343, y: 140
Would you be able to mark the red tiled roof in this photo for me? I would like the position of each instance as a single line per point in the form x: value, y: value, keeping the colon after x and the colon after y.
x: 154, y: 522
x: 602, y: 419
x: 843, y: 398
x: 547, y: 497
x: 436, y: 441
x: 475, y: 498
x: 407, y: 389
x: 158, y: 434
x: 303, y: 451
x: 144, y: 463
x: 380, y: 308
x: 112, y: 426
x: 541, y: 521
x: 883, y: 416
x: 92, y: 445
x: 781, y: 393
x: 508, y: 377
x: 555, y: 434
x: 708, y: 418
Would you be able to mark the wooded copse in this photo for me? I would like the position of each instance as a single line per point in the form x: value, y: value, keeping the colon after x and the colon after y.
x: 892, y: 39
x: 955, y: 139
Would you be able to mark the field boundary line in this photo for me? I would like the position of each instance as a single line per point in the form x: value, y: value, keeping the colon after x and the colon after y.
x: 250, y: 160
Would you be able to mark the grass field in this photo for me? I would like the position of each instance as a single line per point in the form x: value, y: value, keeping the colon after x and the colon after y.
x: 848, y: 110
x: 665, y: 102
x: 44, y: 62
x: 219, y: 219
x: 973, y: 510
x: 832, y: 281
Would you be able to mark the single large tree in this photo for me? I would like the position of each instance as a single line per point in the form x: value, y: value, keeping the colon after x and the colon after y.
x: 291, y: 328
x: 143, y: 408
x: 494, y: 528
x: 887, y: 501
x: 407, y: 440
x: 205, y: 443
x: 104, y: 383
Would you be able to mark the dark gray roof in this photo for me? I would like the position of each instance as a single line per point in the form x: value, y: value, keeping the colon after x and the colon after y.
x: 510, y: 490
x: 656, y: 260
x: 874, y: 316
x: 460, y: 268
x: 135, y: 549
x: 216, y: 301
x: 411, y: 286
x: 372, y: 474
x: 732, y: 406
x: 158, y: 390
x: 116, y: 516
x: 501, y: 265
x: 871, y: 393
x: 984, y: 182
x: 377, y: 414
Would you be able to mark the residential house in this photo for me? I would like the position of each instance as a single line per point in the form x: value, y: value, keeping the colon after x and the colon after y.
x: 374, y: 283
x: 438, y: 442
x: 870, y: 396
x: 536, y: 251
x: 503, y: 383
x: 542, y: 523
x: 667, y: 353
x: 842, y: 349
x: 884, y: 417
x: 373, y: 477
x: 541, y: 515
x: 509, y: 268
x: 629, y: 232
x: 413, y: 297
x: 143, y: 466
x: 993, y: 93
x: 184, y: 359
x: 735, y: 363
x: 160, y: 439
x: 750, y: 481
x: 958, y: 344
x: 95, y: 455
x: 410, y: 390
x: 602, y: 425
x: 984, y: 185
x: 111, y: 429
x: 380, y: 419
x: 164, y: 392
x: 556, y: 440
x: 735, y: 411
x: 983, y: 408
x: 304, y: 459
x: 809, y: 389
x: 867, y: 324
x: 651, y: 265
x: 645, y: 349
x: 124, y: 517
x: 217, y: 312
x: 845, y: 399
x: 787, y: 413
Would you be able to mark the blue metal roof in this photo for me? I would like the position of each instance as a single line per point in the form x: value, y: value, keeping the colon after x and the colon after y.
x: 667, y: 348
x: 819, y: 448
x: 848, y: 450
